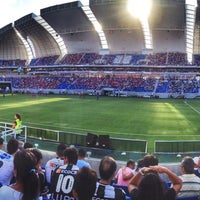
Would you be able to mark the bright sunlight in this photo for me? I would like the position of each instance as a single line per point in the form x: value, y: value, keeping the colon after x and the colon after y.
x: 139, y: 8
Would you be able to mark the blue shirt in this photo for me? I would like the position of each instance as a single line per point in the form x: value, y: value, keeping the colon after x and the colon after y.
x: 83, y: 163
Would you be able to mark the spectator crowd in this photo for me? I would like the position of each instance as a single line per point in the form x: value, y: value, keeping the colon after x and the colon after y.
x: 69, y: 175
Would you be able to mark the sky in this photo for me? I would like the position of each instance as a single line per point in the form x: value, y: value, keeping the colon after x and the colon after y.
x: 12, y: 10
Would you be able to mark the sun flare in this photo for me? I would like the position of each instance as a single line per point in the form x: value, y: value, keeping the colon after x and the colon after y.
x: 139, y: 8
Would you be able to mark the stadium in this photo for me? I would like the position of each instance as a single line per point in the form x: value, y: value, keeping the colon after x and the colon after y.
x: 100, y: 52
x: 114, y: 77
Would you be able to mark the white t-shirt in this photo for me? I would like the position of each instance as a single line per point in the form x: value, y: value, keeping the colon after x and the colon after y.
x: 6, y: 168
x: 50, y: 166
x: 8, y: 193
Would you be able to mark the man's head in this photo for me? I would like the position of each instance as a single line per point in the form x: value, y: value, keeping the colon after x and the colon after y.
x: 85, y: 184
x: 187, y: 165
x: 27, y: 145
x: 150, y: 160
x: 70, y: 155
x: 12, y: 146
x: 81, y: 153
x: 107, y: 168
x: 60, y: 150
x: 130, y: 163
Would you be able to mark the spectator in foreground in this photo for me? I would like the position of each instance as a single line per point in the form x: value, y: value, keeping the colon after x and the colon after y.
x: 1, y: 142
x: 125, y: 173
x: 6, y: 162
x: 62, y: 179
x: 27, y: 182
x: 149, y: 187
x: 190, y: 182
x: 104, y: 190
x: 138, y: 166
x: 81, y: 159
x: 53, y: 163
x: 85, y: 184
x: 197, y: 166
x: 41, y: 175
x: 150, y: 160
x: 27, y: 145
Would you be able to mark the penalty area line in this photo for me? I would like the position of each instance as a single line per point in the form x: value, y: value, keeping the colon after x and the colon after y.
x: 185, y: 102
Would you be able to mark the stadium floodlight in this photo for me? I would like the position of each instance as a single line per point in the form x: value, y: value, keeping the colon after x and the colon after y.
x: 139, y: 8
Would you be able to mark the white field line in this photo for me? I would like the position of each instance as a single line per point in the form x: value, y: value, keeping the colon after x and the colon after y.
x: 185, y: 102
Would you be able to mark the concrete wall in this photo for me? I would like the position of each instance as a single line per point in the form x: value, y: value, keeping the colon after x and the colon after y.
x: 175, y: 167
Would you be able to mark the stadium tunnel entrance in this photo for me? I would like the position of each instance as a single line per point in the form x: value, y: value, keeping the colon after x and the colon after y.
x: 108, y: 92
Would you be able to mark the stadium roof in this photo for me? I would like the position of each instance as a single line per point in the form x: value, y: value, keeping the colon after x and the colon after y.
x: 69, y: 21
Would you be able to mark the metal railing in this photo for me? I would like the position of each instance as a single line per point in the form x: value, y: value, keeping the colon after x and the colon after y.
x: 6, y: 132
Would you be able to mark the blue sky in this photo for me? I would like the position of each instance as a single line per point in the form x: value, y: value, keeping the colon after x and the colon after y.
x: 12, y: 10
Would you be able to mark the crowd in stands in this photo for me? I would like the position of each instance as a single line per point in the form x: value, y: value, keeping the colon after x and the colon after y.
x: 10, y: 63
x: 94, y: 59
x: 47, y: 60
x: 119, y: 83
x: 69, y: 175
x: 154, y: 59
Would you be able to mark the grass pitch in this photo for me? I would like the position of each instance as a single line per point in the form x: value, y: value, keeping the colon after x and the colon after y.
x: 146, y: 119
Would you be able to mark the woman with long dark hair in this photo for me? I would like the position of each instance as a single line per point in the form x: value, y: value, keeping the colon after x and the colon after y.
x: 27, y: 182
x: 147, y: 184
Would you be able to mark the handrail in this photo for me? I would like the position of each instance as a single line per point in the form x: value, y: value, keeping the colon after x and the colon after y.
x: 6, y: 130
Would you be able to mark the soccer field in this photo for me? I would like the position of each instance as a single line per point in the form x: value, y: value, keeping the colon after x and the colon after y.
x: 146, y: 119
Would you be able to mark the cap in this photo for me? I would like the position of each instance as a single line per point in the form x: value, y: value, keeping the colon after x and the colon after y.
x: 196, y: 160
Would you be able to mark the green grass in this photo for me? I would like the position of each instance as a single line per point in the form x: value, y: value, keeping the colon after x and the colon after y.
x: 146, y: 119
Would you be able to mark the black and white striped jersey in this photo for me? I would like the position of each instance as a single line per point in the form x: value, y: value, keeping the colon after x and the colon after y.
x: 108, y: 192
x: 62, y: 182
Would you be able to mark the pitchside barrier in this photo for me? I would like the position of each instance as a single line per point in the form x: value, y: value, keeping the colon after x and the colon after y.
x: 78, y: 139
x: 176, y: 146
x: 47, y: 139
x: 7, y: 132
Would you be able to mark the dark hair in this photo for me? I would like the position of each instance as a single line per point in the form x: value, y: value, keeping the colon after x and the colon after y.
x: 188, y: 165
x: 27, y: 145
x: 60, y: 149
x: 150, y: 160
x: 18, y: 116
x: 82, y: 153
x: 107, y: 167
x: 140, y: 164
x: 71, y: 154
x: 37, y: 153
x: 85, y: 183
x: 1, y: 140
x: 12, y: 146
x: 130, y: 162
x: 24, y: 164
x: 150, y: 187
